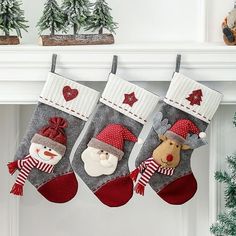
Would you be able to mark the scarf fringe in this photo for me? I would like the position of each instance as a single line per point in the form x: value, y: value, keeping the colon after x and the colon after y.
x: 17, y: 190
x: 12, y: 167
x: 139, y: 188
x: 134, y: 174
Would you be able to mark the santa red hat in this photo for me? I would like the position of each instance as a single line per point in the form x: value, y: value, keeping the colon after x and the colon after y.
x: 111, y: 139
x: 53, y: 135
x: 181, y: 128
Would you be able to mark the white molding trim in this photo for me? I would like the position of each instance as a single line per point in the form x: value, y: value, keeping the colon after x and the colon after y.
x: 149, y: 62
x: 24, y: 68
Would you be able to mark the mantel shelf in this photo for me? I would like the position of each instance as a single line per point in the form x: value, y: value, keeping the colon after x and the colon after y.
x: 132, y: 47
x: 24, y: 67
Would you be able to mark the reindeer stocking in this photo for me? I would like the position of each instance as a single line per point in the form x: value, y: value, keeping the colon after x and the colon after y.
x: 178, y: 128
x: 101, y: 159
x: 43, y: 155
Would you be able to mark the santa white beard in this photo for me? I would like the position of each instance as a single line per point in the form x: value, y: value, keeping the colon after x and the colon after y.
x: 93, y: 164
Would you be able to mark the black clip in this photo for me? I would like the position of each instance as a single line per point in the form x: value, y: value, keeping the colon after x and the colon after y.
x: 54, y: 62
x: 114, y: 64
x: 178, y: 62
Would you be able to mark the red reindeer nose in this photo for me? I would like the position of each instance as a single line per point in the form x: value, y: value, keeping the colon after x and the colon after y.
x: 46, y: 153
x: 169, y: 157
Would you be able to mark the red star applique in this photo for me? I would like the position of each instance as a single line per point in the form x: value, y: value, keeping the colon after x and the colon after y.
x: 195, y: 97
x: 130, y: 99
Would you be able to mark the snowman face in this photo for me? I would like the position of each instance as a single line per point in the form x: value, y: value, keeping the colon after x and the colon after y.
x: 98, y: 162
x: 44, y: 154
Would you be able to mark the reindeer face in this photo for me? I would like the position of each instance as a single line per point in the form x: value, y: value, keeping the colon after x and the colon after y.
x: 167, y: 154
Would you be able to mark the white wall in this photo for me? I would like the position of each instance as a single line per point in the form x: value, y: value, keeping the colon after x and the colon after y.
x: 154, y: 20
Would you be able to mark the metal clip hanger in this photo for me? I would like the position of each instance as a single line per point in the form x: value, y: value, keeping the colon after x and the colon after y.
x: 114, y: 64
x: 54, y: 62
x: 178, y: 62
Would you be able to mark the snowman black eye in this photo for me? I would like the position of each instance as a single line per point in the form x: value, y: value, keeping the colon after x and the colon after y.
x: 107, y: 153
x: 50, y: 149
x: 101, y: 150
x: 45, y: 147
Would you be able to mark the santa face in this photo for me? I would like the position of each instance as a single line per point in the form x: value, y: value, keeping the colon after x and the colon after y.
x: 98, y: 162
x: 44, y: 154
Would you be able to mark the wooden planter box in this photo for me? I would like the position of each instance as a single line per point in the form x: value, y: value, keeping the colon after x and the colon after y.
x: 81, y: 39
x: 9, y: 40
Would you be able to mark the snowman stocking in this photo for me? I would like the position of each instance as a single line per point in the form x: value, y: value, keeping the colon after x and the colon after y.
x: 178, y: 128
x: 101, y: 159
x: 43, y: 155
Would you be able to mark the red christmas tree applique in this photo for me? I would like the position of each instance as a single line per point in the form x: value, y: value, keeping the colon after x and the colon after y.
x: 130, y: 99
x: 69, y: 93
x: 195, y: 97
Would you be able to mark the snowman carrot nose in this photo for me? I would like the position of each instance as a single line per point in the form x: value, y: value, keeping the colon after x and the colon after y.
x: 46, y: 153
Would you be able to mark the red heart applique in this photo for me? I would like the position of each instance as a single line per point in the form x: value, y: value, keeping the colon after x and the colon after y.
x: 69, y: 93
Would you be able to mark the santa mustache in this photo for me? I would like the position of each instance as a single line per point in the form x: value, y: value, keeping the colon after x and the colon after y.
x: 107, y: 163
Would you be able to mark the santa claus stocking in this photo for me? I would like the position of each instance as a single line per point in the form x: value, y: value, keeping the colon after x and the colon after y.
x: 101, y: 159
x: 178, y: 128
x: 43, y: 155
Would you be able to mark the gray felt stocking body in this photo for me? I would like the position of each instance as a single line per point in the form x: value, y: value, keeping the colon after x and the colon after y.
x: 101, y: 159
x: 43, y: 154
x: 178, y: 127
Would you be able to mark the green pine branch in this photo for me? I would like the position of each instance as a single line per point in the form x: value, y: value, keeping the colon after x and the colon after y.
x: 101, y: 18
x: 234, y: 119
x: 77, y: 13
x: 12, y: 17
x: 226, y: 221
x: 52, y: 19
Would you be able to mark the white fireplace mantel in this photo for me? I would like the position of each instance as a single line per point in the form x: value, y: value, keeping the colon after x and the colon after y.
x: 24, y: 67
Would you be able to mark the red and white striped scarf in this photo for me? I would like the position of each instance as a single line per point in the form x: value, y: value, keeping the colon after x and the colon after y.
x: 25, y: 166
x: 147, y: 169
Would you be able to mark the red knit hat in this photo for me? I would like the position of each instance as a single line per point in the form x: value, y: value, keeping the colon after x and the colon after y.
x: 53, y: 135
x: 181, y: 128
x: 111, y: 139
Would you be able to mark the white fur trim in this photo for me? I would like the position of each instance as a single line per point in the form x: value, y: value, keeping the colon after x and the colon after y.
x: 202, y: 135
x: 114, y: 95
x: 81, y: 106
x: 180, y: 89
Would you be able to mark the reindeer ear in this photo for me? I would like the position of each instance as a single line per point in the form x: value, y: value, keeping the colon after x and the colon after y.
x: 185, y: 147
x: 162, y: 137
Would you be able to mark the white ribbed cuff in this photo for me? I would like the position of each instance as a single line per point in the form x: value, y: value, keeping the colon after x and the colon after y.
x: 69, y: 96
x: 129, y: 99
x: 193, y: 97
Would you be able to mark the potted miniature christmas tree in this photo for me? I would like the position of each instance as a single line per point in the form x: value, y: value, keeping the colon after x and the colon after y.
x: 76, y: 14
x: 53, y: 19
x: 11, y: 18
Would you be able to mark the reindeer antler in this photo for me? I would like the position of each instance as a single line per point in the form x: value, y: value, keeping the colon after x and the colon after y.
x: 159, y: 125
x: 194, y: 141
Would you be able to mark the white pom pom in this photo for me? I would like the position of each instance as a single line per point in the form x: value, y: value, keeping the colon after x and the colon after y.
x: 202, y: 135
x: 140, y: 141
